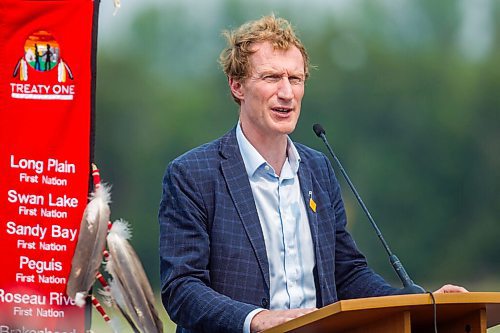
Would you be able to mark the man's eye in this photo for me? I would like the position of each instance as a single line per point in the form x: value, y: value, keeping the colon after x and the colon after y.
x: 295, y: 80
x: 272, y: 78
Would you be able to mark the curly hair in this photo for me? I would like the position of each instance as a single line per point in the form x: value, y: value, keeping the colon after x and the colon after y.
x: 234, y: 59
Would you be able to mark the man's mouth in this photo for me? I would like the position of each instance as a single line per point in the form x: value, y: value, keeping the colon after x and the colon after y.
x: 282, y: 110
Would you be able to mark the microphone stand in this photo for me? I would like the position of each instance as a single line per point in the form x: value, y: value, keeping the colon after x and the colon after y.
x: 409, y: 287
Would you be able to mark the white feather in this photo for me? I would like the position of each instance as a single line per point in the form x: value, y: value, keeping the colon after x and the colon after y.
x: 117, y: 294
x: 101, y: 197
x: 103, y: 191
x: 121, y: 228
x: 106, y: 297
x: 80, y: 299
x: 109, y: 267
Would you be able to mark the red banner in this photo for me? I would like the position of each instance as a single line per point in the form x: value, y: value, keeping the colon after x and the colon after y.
x: 46, y: 130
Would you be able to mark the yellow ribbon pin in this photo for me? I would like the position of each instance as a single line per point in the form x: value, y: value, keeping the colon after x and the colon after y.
x: 312, y: 203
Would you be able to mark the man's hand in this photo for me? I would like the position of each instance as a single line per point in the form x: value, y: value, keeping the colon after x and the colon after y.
x: 450, y: 288
x: 270, y: 318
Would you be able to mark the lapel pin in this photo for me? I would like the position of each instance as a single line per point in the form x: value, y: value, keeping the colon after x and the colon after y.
x: 312, y: 203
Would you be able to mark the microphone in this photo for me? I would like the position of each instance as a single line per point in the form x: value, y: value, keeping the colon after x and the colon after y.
x: 409, y: 286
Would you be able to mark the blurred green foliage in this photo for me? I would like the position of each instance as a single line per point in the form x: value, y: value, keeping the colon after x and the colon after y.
x: 409, y: 104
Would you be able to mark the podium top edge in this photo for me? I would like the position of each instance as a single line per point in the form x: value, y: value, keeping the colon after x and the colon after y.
x: 383, y: 303
x: 417, y: 299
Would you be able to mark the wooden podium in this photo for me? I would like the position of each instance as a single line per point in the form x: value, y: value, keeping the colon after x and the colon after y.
x: 457, y: 313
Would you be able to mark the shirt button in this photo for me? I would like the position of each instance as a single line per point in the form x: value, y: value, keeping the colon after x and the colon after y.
x: 266, y: 167
x: 265, y: 303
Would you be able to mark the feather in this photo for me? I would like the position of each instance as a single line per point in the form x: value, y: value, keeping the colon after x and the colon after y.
x: 130, y: 284
x: 68, y: 70
x: 91, y: 243
x: 61, y: 72
x: 111, y: 298
x: 23, y: 75
x: 16, y: 69
x: 106, y: 297
x: 115, y: 325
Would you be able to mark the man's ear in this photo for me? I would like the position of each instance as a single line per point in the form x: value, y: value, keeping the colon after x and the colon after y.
x: 236, y: 88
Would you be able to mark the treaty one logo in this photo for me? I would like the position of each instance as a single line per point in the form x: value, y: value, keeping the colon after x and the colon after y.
x: 39, y: 67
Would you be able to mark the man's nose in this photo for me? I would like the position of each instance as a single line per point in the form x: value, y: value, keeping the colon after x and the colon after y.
x: 285, y: 89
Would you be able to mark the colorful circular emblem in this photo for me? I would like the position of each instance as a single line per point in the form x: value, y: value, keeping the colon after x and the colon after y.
x: 41, y: 51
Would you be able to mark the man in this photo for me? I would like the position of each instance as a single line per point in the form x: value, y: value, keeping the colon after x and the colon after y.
x: 253, y: 227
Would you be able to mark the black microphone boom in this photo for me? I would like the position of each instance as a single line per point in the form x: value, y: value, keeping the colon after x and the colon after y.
x: 409, y: 286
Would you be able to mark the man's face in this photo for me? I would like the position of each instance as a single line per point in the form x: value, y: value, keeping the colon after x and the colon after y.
x: 271, y: 96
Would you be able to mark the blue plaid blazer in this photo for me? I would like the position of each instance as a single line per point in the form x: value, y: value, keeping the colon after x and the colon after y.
x: 214, y: 268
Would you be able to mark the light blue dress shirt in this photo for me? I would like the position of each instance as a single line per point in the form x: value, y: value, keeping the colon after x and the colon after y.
x: 283, y: 219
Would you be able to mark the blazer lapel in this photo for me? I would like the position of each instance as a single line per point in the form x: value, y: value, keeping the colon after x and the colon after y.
x: 307, y: 182
x: 233, y: 170
x: 306, y: 186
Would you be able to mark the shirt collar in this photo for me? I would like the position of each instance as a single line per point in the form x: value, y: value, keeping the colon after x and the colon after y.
x: 253, y: 160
